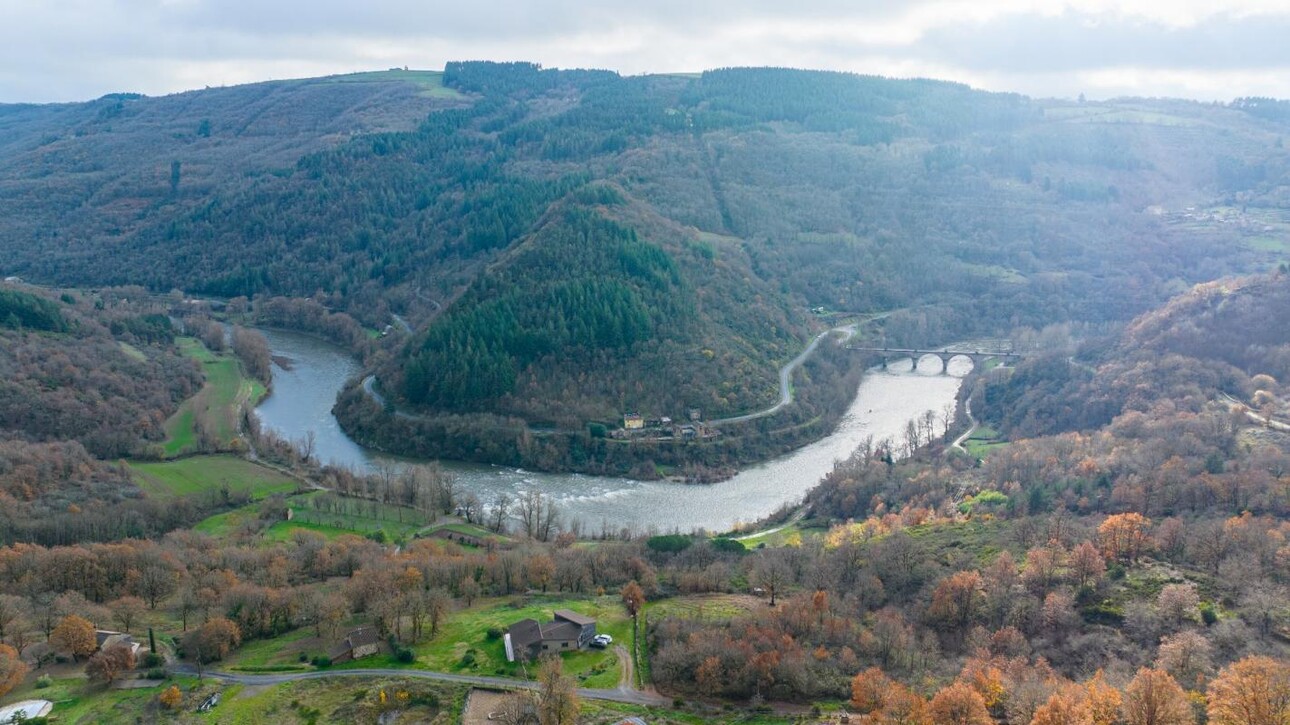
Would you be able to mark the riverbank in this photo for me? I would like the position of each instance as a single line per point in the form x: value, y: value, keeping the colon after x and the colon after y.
x: 816, y: 388
x: 884, y: 402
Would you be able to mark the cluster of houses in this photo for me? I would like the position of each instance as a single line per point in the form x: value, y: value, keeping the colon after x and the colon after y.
x: 636, y: 426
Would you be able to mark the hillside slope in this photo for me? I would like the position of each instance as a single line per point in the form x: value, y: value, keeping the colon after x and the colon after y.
x: 748, y: 195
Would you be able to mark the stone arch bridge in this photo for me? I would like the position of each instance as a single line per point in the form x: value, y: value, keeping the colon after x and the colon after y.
x: 887, y: 354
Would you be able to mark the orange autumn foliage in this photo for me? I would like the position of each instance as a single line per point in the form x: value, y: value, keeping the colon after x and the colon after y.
x: 1155, y: 698
x: 1253, y: 691
x: 959, y: 704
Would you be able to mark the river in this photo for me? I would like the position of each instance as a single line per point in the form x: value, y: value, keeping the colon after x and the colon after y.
x: 303, y: 396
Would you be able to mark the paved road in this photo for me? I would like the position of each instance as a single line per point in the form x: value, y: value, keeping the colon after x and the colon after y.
x: 369, y: 387
x: 785, y: 385
x: 798, y: 515
x: 958, y: 442
x: 1255, y: 417
x: 632, y: 697
x: 786, y: 380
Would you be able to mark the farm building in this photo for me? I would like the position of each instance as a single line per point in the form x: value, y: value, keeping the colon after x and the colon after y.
x: 360, y: 643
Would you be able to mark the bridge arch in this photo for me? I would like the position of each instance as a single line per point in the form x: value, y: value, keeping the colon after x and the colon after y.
x: 973, y: 360
x: 927, y: 360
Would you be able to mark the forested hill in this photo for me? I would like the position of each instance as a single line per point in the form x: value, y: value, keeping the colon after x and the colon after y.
x: 1221, y: 340
x: 551, y: 231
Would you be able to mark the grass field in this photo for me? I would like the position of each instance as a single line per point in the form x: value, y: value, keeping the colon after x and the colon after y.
x: 979, y: 539
x: 78, y: 702
x: 466, y: 633
x: 462, y: 644
x: 791, y: 535
x: 983, y: 441
x: 718, y: 607
x: 1102, y: 113
x: 429, y: 81
x: 1275, y: 245
x: 469, y: 530
x: 216, y: 406
x: 278, y: 654
x: 335, y: 701
x: 360, y: 518
x: 198, y: 474
x: 131, y: 351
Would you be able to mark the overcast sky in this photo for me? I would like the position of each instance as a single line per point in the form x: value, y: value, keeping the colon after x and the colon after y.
x: 60, y: 50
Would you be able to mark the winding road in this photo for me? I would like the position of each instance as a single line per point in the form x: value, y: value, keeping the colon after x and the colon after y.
x: 629, y: 696
x: 1254, y: 417
x: 958, y: 442
x: 785, y: 385
x: 786, y: 380
x: 797, y: 516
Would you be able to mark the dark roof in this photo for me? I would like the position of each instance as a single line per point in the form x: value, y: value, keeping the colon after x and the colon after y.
x: 362, y: 636
x: 101, y: 635
x: 574, y: 617
x: 559, y: 632
x: 355, y: 639
x: 524, y: 634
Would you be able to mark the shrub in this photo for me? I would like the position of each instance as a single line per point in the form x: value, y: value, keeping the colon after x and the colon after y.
x: 1208, y: 614
x: 44, y: 681
x: 172, y: 698
x: 669, y: 543
x: 152, y: 659
x: 493, y: 633
x: 304, y: 657
x: 155, y: 673
x: 322, y: 661
x: 425, y: 698
x: 729, y: 546
x: 407, y: 656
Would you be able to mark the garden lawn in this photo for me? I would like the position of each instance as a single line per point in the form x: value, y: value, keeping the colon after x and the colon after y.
x: 462, y: 644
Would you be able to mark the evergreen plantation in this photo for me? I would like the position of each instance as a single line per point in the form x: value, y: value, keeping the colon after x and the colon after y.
x: 573, y: 245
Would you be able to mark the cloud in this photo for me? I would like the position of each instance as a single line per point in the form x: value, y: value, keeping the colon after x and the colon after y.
x: 1077, y: 42
x: 77, y: 49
